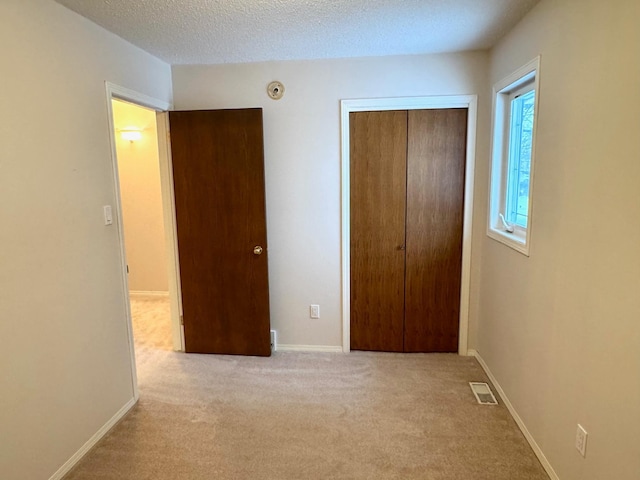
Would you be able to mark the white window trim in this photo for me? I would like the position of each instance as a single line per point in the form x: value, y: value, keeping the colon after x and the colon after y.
x: 520, y: 238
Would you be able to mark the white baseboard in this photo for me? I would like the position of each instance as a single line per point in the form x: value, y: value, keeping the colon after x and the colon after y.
x: 143, y: 293
x: 308, y: 348
x: 69, y: 464
x: 536, y: 448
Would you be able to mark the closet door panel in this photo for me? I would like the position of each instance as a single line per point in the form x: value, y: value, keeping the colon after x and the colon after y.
x: 436, y: 156
x: 378, y: 195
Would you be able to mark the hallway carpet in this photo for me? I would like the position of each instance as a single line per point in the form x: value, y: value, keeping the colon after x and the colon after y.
x: 298, y: 416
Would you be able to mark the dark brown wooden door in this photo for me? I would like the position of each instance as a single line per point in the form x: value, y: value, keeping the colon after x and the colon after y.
x: 218, y: 174
x: 435, y: 206
x: 378, y: 194
x: 407, y: 201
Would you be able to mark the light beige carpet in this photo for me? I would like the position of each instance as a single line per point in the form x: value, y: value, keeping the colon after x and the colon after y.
x: 305, y: 416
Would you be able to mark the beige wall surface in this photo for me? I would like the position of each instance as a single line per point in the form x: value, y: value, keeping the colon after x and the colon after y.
x: 65, y: 366
x: 302, y: 161
x: 141, y: 199
x: 561, y: 330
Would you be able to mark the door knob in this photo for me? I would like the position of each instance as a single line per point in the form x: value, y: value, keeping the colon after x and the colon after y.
x: 257, y: 250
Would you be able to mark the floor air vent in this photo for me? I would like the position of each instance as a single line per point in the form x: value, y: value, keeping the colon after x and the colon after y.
x: 483, y: 393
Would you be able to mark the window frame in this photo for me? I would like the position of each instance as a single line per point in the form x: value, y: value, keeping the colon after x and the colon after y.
x: 521, y: 81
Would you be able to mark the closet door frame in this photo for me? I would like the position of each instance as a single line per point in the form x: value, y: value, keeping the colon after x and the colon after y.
x: 469, y: 102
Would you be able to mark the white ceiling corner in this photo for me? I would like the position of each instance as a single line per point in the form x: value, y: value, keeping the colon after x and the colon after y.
x: 236, y: 31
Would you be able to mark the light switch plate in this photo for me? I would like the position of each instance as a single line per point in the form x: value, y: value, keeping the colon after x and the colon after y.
x: 108, y: 215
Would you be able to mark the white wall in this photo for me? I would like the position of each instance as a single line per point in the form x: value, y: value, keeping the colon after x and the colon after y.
x: 302, y: 161
x: 64, y: 364
x: 561, y: 330
x: 141, y: 199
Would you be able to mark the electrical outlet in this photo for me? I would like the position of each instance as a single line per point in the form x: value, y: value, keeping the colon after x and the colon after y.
x: 274, y: 340
x: 314, y: 311
x: 581, y: 440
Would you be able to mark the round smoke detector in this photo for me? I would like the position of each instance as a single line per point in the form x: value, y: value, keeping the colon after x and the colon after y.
x: 275, y: 90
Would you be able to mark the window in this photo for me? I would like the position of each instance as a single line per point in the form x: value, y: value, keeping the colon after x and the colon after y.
x: 514, y: 122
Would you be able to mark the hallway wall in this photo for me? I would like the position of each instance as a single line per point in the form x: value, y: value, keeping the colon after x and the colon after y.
x: 141, y: 199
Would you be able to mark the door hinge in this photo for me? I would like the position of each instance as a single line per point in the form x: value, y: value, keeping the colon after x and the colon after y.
x: 181, y: 319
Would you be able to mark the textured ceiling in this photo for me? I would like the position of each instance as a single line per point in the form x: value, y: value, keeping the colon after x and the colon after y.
x: 234, y: 31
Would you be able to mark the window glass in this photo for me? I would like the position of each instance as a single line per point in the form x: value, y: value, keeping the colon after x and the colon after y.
x: 519, y: 164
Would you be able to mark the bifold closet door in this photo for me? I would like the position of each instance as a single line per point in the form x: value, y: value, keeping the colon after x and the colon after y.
x: 436, y: 155
x: 407, y: 202
x: 378, y: 175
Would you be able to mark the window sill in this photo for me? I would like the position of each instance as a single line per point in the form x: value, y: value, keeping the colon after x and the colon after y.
x: 515, y: 240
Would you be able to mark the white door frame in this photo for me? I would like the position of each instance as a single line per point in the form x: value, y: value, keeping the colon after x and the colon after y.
x: 166, y: 180
x: 170, y: 230
x: 410, y: 103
